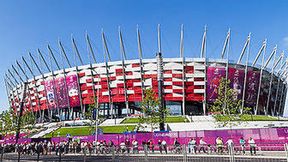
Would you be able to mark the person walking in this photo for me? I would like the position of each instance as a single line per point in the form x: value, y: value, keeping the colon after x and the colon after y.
x: 127, y: 143
x: 135, y: 146
x: 151, y: 145
x: 230, y: 146
x: 164, y: 145
x: 252, y: 146
x: 160, y: 146
x: 202, y: 145
x: 192, y: 146
x: 122, y: 147
x: 177, y: 146
x: 219, y: 145
x: 50, y: 147
x: 242, y: 144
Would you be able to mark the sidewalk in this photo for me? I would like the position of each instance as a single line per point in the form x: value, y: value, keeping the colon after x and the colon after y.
x: 263, y: 154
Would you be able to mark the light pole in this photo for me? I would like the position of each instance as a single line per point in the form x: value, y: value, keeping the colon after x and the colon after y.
x: 96, y: 126
x: 20, y: 113
x: 160, y: 89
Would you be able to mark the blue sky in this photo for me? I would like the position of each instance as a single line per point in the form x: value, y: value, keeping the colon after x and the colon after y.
x: 28, y: 25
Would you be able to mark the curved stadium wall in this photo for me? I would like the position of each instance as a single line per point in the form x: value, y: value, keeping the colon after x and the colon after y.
x: 189, y: 87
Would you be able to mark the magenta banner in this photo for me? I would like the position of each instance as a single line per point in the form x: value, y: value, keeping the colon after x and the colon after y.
x: 61, y: 92
x: 264, y: 92
x: 263, y: 136
x: 252, y: 86
x: 73, y: 90
x: 49, y: 86
x: 214, y: 75
x: 236, y: 77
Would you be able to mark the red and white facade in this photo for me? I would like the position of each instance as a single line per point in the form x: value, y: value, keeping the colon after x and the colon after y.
x: 68, y: 92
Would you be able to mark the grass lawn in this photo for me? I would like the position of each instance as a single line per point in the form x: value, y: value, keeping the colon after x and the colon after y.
x: 82, y: 131
x: 169, y: 119
x: 247, y: 117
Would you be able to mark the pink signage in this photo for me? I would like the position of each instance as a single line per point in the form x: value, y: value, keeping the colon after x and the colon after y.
x: 214, y: 75
x: 49, y: 86
x: 236, y: 77
x: 252, y: 86
x: 61, y: 92
x: 73, y: 90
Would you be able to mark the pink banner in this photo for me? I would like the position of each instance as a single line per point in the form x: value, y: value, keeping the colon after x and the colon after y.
x: 214, y: 75
x: 264, y: 91
x: 236, y: 77
x: 252, y: 86
x: 61, y: 92
x: 49, y: 86
x: 264, y: 137
x: 73, y: 90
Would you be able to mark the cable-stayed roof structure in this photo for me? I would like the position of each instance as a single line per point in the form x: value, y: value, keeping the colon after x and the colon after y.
x: 185, y: 85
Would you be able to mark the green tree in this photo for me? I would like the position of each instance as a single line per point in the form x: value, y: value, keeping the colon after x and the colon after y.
x: 9, y: 119
x: 89, y: 113
x: 28, y: 119
x: 149, y: 107
x: 1, y: 122
x: 227, y: 106
x: 226, y: 101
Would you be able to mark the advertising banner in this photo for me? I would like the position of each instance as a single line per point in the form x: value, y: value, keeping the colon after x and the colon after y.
x: 61, y: 92
x: 49, y: 86
x: 264, y: 92
x: 252, y: 85
x: 236, y: 76
x: 264, y: 137
x: 273, y: 95
x: 214, y: 75
x: 73, y: 90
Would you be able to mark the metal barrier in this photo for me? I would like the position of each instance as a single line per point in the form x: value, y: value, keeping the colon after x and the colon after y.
x: 185, y: 153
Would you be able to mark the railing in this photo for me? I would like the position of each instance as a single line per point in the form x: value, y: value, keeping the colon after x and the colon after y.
x: 122, y: 152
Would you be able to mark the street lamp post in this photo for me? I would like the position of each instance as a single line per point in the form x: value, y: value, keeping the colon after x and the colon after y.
x: 160, y: 88
x: 96, y: 126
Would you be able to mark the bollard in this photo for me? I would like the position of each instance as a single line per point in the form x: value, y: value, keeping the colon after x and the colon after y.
x: 18, y: 156
x: 38, y: 155
x: 84, y: 151
x: 286, y: 150
x: 145, y: 152
x: 59, y: 152
x: 113, y: 153
x: 231, y: 153
x: 184, y: 153
x: 2, y: 153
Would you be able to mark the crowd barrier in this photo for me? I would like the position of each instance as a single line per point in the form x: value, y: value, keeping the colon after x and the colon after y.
x: 262, y: 136
x: 139, y: 152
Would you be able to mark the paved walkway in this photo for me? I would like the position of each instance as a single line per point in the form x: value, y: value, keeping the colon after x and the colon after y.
x: 150, y: 157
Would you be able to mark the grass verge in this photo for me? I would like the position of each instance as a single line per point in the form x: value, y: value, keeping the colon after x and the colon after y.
x: 246, y: 117
x: 87, y: 130
x: 169, y: 119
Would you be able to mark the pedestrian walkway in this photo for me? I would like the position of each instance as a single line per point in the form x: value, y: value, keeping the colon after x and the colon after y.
x: 206, y: 123
x: 109, y: 122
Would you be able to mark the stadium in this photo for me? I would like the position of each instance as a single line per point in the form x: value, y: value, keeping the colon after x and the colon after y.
x: 188, y: 85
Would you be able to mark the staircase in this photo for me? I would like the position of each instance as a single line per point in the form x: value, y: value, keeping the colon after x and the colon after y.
x: 49, y: 128
x: 110, y: 122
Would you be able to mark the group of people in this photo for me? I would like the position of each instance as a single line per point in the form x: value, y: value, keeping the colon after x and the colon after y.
x: 220, y: 146
x: 60, y: 147
x: 147, y: 146
x: 129, y: 146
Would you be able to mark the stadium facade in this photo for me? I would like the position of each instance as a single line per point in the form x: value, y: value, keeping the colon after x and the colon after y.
x: 189, y: 85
